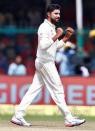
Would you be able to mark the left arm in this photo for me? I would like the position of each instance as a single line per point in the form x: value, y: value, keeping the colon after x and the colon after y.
x: 62, y: 42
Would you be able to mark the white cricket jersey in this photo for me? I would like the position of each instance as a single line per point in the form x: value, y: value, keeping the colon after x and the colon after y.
x: 46, y: 46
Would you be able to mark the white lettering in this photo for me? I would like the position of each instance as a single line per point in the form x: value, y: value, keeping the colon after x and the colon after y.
x: 3, y: 95
x: 13, y: 93
x: 91, y: 95
x: 72, y: 95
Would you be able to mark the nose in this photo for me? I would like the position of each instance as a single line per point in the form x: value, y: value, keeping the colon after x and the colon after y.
x: 58, y: 15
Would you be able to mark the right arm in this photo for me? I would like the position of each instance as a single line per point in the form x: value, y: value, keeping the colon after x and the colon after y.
x: 62, y: 42
x: 45, y: 40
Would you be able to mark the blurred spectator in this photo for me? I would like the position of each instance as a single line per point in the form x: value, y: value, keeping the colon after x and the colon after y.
x: 64, y: 58
x: 92, y: 51
x: 17, y: 68
x: 85, y: 72
x: 82, y: 70
x: 92, y: 39
x: 92, y: 33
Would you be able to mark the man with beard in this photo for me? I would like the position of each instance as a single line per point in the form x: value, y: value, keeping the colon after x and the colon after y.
x: 46, y: 73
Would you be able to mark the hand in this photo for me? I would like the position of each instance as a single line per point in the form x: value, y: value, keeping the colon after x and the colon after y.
x: 59, y: 32
x: 69, y: 32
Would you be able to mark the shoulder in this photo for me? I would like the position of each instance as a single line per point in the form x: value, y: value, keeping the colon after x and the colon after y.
x: 12, y: 65
x: 22, y: 67
x: 43, y: 27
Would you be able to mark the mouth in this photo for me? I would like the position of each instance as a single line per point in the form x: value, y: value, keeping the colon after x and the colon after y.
x: 57, y: 19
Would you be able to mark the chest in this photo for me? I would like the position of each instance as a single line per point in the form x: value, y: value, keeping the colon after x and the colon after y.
x: 52, y: 32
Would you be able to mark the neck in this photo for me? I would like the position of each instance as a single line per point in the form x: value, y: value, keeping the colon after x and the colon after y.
x: 51, y: 21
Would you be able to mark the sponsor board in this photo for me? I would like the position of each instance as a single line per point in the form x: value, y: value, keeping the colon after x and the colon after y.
x: 78, y: 91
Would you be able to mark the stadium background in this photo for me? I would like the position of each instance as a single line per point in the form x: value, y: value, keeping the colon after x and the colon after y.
x: 19, y: 21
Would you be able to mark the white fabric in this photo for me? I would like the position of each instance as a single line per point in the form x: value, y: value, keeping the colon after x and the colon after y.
x: 46, y: 75
x: 85, y: 72
x: 46, y: 46
x: 15, y: 69
x: 46, y: 72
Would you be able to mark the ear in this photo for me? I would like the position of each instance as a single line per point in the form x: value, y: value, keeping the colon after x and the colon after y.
x: 48, y: 14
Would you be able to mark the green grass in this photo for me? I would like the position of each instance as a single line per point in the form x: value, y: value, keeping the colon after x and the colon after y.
x: 8, y: 117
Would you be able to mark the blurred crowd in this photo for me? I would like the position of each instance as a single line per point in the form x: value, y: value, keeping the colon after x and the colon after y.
x: 70, y: 63
x: 68, y: 60
x: 30, y: 18
x: 14, y: 44
x: 24, y: 45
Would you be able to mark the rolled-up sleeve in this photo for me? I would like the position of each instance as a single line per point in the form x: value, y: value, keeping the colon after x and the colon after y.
x: 44, y: 39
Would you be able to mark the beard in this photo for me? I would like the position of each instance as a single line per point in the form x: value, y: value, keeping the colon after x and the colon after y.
x: 54, y: 21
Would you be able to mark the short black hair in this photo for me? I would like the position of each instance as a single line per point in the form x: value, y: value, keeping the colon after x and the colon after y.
x: 53, y: 7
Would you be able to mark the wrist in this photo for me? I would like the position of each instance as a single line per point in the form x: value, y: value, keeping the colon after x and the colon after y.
x: 55, y: 37
x: 65, y: 39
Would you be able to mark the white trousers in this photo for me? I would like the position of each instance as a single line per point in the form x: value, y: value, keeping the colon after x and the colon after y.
x: 46, y: 75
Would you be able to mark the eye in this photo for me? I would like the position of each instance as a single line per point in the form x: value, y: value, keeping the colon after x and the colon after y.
x: 57, y: 14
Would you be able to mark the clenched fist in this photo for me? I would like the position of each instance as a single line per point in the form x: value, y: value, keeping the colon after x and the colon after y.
x: 69, y: 32
x: 59, y: 31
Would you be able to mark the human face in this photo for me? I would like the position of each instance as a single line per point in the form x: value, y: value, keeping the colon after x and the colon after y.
x: 18, y: 60
x: 54, y: 16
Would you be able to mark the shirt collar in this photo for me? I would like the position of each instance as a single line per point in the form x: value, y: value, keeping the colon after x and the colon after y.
x: 49, y: 23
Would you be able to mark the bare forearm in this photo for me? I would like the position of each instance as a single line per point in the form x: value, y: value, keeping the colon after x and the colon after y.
x: 55, y: 37
x: 65, y: 39
x: 59, y: 32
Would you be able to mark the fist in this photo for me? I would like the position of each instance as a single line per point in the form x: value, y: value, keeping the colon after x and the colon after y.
x: 59, y: 31
x: 69, y: 31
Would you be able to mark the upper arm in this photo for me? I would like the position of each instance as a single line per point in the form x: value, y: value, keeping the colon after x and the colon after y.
x: 44, y: 37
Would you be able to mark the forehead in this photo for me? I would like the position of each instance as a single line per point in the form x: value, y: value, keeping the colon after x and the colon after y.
x: 56, y: 11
